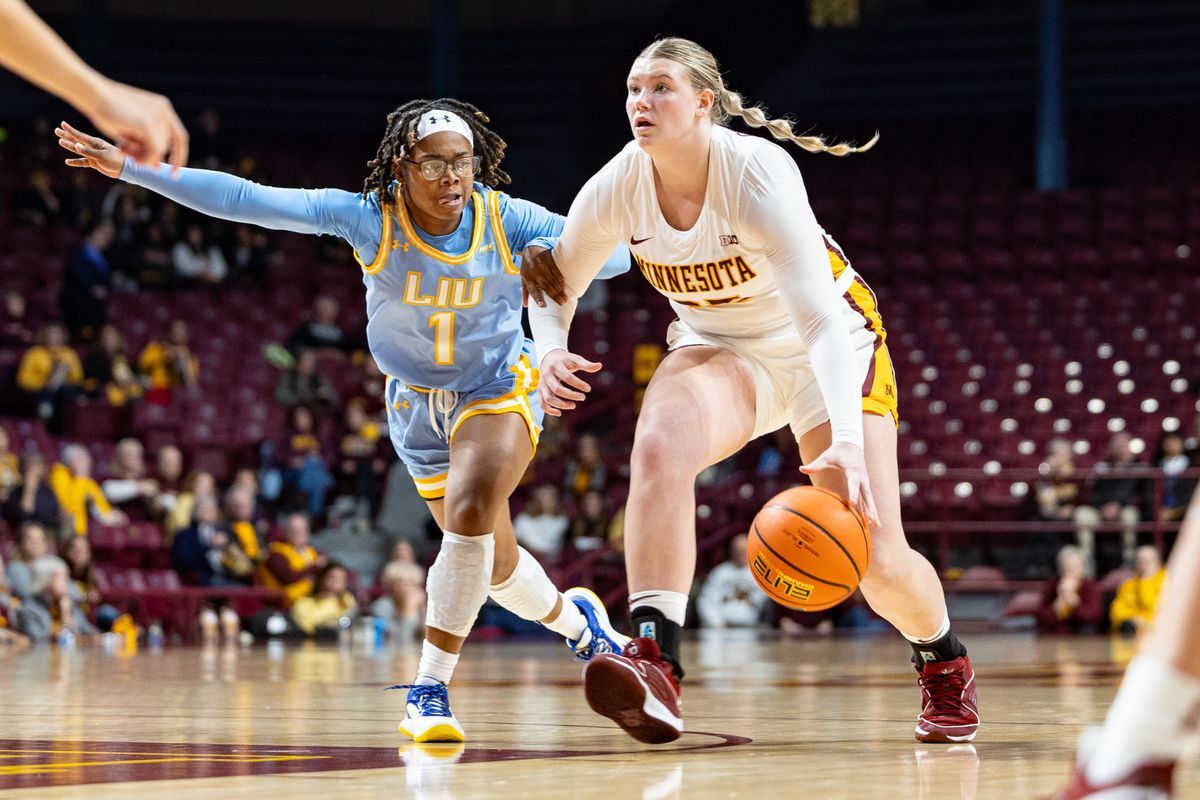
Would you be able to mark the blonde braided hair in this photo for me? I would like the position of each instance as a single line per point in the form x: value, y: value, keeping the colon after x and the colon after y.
x: 704, y: 73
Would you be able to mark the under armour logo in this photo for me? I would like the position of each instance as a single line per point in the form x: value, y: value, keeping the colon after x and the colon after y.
x: 433, y: 119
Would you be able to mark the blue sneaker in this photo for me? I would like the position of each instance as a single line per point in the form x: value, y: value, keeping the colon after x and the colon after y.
x: 600, y: 636
x: 428, y: 717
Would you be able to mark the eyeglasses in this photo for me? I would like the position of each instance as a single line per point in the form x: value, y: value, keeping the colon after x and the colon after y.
x: 434, y: 168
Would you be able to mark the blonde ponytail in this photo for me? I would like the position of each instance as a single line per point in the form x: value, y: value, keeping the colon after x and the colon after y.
x: 731, y: 104
x: 704, y: 73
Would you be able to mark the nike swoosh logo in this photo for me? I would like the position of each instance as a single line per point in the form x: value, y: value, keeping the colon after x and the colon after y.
x: 634, y: 241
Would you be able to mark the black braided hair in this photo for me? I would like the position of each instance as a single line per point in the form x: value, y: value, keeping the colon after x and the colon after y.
x: 401, y: 135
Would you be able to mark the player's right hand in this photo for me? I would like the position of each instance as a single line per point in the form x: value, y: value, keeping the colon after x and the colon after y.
x: 90, y: 151
x: 143, y: 124
x: 560, y: 388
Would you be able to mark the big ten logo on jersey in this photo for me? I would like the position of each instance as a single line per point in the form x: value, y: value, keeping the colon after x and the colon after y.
x: 450, y: 292
x: 790, y: 587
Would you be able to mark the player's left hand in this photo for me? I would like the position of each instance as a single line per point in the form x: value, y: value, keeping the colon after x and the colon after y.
x: 850, y: 461
x: 540, y: 276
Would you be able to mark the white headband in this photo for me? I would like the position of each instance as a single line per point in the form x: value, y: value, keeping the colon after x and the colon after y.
x: 439, y: 120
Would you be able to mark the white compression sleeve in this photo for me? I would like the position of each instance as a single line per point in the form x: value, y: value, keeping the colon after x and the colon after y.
x: 457, y: 585
x: 775, y: 210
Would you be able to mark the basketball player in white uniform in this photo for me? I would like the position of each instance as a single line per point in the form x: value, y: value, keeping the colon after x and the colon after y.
x: 774, y: 328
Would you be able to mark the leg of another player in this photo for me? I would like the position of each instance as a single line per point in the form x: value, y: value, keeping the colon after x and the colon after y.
x: 903, y: 587
x: 1157, y: 709
x: 698, y: 409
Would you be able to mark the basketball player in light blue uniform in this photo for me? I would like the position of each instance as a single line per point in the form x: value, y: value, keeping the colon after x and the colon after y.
x: 444, y: 324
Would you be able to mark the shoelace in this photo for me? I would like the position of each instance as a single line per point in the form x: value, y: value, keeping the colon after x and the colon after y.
x: 945, y: 692
x: 431, y: 698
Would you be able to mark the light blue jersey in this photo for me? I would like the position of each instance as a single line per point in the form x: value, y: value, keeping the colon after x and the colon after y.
x: 443, y: 312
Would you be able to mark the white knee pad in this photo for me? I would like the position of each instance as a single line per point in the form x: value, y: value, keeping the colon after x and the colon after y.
x: 457, y: 585
x: 528, y: 592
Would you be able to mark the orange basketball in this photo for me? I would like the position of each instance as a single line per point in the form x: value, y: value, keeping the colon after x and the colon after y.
x: 808, y: 548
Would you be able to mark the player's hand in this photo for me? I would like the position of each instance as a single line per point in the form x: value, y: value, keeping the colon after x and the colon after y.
x: 90, y: 151
x: 143, y: 124
x: 849, y: 460
x: 560, y: 388
x: 540, y: 276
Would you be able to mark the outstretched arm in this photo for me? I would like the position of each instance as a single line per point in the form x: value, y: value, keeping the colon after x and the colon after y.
x: 218, y: 194
x: 144, y: 124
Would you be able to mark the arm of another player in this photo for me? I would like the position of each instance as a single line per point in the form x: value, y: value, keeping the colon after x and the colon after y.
x: 583, y: 246
x: 144, y: 124
x: 776, y: 211
x: 217, y: 194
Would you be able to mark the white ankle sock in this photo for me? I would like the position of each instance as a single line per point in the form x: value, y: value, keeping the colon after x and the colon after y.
x: 1146, y: 721
x: 569, y: 622
x: 942, y: 631
x: 436, y: 665
x: 673, y: 605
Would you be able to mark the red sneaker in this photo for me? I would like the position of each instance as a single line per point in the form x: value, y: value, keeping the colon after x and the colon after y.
x: 949, y: 707
x: 637, y: 690
x: 1150, y: 781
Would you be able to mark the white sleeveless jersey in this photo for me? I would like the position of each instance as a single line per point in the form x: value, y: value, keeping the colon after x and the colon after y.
x: 755, y: 264
x: 718, y: 275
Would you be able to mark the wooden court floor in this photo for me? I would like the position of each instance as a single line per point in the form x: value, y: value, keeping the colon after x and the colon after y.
x: 814, y: 718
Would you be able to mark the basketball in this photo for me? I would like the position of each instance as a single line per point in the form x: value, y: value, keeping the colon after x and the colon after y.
x: 808, y: 548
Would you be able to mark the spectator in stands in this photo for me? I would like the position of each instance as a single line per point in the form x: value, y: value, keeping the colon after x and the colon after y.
x: 33, y: 564
x: 34, y: 500
x: 1058, y: 488
x: 321, y: 331
x: 168, y: 474
x: 360, y: 467
x: 78, y: 494
x: 127, y: 486
x: 589, y: 528
x: 77, y: 553
x: 107, y: 372
x: 35, y: 204
x: 586, y: 470
x: 209, y: 148
x: 8, y: 614
x: 243, y: 524
x: 15, y: 330
x: 247, y: 479
x: 1112, y: 499
x: 151, y: 264
x: 370, y: 389
x: 50, y: 374
x: 80, y: 200
x: 1173, y: 460
x: 1071, y: 603
x: 169, y: 365
x: 196, y: 485
x: 402, y: 606
x: 10, y: 469
x: 250, y: 258
x: 1136, y: 603
x: 304, y: 385
x: 88, y: 282
x: 292, y: 563
x: 196, y: 260
x: 331, y: 606
x: 205, y: 553
x: 51, y: 609
x: 304, y: 470
x: 541, y: 525
x: 729, y: 597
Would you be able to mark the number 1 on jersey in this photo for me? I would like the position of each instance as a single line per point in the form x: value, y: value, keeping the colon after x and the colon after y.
x: 443, y: 337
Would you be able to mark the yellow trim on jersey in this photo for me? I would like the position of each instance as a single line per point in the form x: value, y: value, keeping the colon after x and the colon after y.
x: 385, y: 244
x: 863, y: 300
x: 418, y: 389
x: 432, y: 488
x: 499, y: 234
x: 476, y: 234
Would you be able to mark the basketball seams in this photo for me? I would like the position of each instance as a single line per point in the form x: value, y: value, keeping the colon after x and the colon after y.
x: 790, y: 565
x: 854, y: 513
x: 821, y: 528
